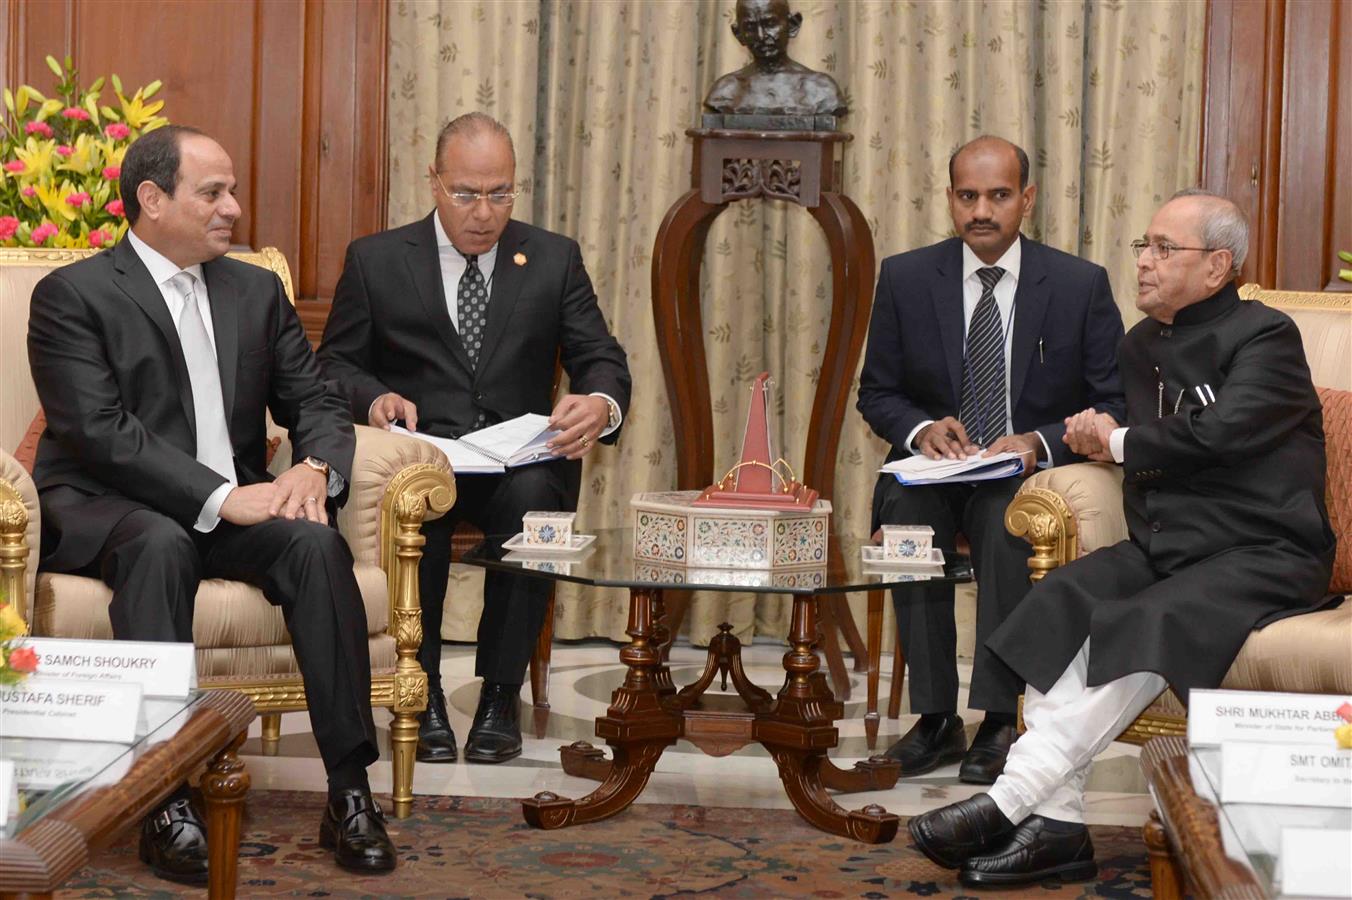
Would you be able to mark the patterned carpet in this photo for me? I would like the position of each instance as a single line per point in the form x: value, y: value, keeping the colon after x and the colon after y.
x: 479, y: 847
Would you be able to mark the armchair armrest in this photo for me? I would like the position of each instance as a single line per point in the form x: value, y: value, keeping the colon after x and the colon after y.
x: 20, y: 531
x: 1066, y: 512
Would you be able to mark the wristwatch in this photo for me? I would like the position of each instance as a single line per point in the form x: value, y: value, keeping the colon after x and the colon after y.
x: 317, y: 464
x: 612, y: 414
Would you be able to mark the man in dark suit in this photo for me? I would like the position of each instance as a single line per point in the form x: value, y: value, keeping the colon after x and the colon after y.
x: 156, y: 362
x: 983, y: 341
x: 453, y: 323
x: 1223, y: 489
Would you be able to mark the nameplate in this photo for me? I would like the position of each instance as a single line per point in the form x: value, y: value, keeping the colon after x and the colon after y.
x: 1315, y: 862
x: 162, y: 670
x: 9, y: 792
x: 1215, y: 717
x: 1286, y: 774
x: 65, y: 709
x: 43, y: 765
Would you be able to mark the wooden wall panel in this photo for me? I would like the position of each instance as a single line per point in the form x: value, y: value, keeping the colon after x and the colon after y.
x: 293, y: 89
x: 1277, y: 133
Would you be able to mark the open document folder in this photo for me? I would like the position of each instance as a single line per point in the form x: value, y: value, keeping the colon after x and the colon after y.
x: 923, y: 470
x: 497, y: 448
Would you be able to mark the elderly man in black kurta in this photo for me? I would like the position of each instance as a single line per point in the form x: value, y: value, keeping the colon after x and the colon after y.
x: 1223, y: 458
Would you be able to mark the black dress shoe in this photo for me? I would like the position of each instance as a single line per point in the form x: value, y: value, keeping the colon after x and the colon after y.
x: 929, y: 744
x: 1032, y: 855
x: 353, y: 827
x: 495, y: 735
x: 952, y: 834
x: 436, y: 740
x: 174, y: 843
x: 985, y: 759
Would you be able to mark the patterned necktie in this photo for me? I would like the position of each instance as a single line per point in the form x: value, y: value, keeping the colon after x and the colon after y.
x: 983, y: 380
x: 472, y: 303
x: 213, y: 435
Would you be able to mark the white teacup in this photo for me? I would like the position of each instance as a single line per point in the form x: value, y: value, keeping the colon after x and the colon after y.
x: 547, y: 529
x: 907, y: 541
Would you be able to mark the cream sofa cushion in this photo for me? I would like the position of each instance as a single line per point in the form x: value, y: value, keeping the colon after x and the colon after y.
x: 1093, y: 491
x: 19, y: 399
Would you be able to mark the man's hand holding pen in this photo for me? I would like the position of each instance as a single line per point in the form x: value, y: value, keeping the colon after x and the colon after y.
x: 947, y: 438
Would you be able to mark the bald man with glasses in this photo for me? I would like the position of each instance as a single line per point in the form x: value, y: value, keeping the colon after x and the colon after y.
x: 454, y: 323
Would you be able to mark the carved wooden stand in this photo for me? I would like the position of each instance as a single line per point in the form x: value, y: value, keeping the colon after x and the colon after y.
x: 647, y: 715
x: 801, y: 167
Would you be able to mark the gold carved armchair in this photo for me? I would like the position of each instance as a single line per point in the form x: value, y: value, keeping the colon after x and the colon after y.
x: 241, y: 639
x: 1070, y: 511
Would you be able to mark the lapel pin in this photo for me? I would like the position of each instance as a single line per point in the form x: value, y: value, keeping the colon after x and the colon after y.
x: 519, y: 259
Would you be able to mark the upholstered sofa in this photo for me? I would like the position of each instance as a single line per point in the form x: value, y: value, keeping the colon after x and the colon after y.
x: 1069, y: 511
x: 241, y: 640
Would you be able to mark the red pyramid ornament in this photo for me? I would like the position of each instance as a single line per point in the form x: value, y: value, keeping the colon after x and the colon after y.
x: 761, y: 480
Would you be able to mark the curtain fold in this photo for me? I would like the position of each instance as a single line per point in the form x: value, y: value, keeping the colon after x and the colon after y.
x: 1104, y: 96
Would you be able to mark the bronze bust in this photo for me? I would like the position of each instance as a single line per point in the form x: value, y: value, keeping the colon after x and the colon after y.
x: 774, y: 91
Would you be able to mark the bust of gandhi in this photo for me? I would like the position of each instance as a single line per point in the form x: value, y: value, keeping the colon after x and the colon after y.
x: 773, y: 84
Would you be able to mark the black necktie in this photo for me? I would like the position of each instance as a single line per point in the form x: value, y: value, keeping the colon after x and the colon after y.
x: 983, y: 380
x: 472, y: 305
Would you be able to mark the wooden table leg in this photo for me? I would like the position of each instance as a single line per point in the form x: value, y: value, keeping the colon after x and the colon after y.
x: 800, y: 727
x: 835, y: 660
x: 875, y: 655
x: 1165, y: 882
x: 638, y: 727
x: 224, y: 786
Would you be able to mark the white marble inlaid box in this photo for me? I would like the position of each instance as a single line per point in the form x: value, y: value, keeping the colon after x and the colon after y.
x: 547, y: 529
x: 667, y: 529
x: 907, y: 541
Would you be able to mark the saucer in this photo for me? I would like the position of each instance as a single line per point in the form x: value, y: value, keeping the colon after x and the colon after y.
x: 518, y: 544
x: 873, y: 556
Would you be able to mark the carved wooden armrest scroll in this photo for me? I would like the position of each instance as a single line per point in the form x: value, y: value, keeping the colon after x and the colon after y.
x: 416, y: 494
x: 1044, y: 519
x: 13, y: 548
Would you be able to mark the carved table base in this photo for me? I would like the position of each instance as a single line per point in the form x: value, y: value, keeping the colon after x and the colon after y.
x: 647, y: 715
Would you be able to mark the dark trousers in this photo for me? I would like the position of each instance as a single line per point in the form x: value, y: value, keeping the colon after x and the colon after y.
x: 925, y: 614
x: 154, y: 566
x: 514, y: 606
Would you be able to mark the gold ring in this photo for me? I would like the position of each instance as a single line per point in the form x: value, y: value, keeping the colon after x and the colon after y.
x: 586, y: 442
x: 311, y: 499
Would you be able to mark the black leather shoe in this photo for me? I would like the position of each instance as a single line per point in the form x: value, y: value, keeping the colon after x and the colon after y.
x: 952, y: 834
x: 929, y: 745
x: 1032, y: 855
x: 353, y: 827
x: 174, y: 843
x: 495, y: 735
x: 985, y: 759
x: 436, y: 740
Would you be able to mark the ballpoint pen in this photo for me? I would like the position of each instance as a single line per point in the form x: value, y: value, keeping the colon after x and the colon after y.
x: 1040, y: 358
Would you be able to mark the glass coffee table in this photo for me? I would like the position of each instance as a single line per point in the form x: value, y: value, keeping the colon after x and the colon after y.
x: 78, y: 796
x: 1202, y: 846
x: 648, y: 713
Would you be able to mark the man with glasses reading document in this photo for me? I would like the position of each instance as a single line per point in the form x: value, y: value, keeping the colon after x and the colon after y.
x: 983, y: 341
x: 455, y: 323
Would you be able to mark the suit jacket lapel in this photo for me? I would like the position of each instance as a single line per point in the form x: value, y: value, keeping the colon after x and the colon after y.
x: 133, y: 279
x: 1030, y: 309
x: 508, y: 277
x: 225, y: 324
x: 947, y: 296
x: 424, y: 267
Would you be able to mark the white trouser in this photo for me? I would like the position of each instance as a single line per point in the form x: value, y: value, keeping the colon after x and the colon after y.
x: 1067, y: 727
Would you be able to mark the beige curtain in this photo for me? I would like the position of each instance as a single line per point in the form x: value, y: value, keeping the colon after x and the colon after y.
x: 1105, y: 96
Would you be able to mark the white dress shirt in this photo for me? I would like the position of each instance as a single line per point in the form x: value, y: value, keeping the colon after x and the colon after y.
x: 162, y: 270
x: 453, y: 265
x: 1004, y: 291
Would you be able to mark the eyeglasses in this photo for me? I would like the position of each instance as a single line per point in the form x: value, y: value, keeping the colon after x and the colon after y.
x: 1162, y: 249
x: 469, y: 198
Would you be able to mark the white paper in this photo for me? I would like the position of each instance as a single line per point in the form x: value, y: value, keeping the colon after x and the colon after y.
x: 71, y: 710
x: 9, y: 791
x: 464, y: 460
x: 1262, y: 716
x: 40, y: 765
x: 1286, y: 774
x: 491, y: 450
x: 923, y: 470
x: 161, y: 669
x: 1316, y: 862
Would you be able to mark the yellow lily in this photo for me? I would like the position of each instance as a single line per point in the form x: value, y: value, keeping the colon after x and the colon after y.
x: 85, y: 158
x: 139, y: 114
x: 53, y: 198
x: 37, y: 158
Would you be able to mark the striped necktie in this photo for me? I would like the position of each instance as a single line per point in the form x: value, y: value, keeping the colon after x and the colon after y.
x: 983, y: 380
